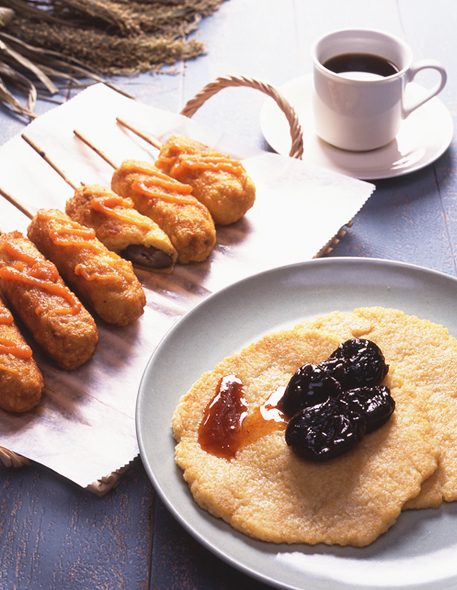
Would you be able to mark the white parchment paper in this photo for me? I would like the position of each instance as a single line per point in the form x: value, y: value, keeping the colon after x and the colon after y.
x: 84, y: 427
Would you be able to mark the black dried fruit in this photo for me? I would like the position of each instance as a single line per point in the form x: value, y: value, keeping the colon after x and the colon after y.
x: 310, y: 385
x: 326, y: 430
x: 356, y: 363
x: 375, y: 402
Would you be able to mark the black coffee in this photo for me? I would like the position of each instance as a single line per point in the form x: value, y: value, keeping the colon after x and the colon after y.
x: 361, y: 62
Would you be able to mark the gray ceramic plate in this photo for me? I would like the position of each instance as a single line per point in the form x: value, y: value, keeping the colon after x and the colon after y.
x: 418, y: 552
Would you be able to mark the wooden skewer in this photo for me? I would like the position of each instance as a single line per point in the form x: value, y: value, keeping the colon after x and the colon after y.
x: 47, y: 159
x: 149, y: 138
x: 16, y: 204
x: 97, y: 150
x: 59, y: 171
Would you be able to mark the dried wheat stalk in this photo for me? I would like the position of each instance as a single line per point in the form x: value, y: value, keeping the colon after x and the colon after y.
x: 46, y: 40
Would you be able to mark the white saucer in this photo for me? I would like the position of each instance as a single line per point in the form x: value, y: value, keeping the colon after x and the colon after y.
x: 423, y: 136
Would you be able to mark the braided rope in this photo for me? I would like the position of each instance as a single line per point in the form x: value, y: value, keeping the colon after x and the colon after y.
x: 10, y: 459
x: 212, y: 88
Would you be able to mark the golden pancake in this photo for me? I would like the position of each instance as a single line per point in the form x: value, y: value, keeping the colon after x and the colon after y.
x: 426, y: 355
x: 269, y: 493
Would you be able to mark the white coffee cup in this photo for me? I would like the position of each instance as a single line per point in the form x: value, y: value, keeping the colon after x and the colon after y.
x: 361, y: 112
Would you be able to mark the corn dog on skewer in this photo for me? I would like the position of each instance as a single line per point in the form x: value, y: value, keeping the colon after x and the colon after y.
x: 185, y: 220
x: 100, y: 277
x: 121, y: 228
x: 53, y: 314
x: 21, y: 381
x: 117, y: 224
x: 218, y: 181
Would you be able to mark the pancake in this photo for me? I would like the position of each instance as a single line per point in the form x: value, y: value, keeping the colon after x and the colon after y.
x: 266, y: 491
x: 426, y: 355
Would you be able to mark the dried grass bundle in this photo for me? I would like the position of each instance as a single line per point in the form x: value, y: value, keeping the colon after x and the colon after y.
x: 42, y: 40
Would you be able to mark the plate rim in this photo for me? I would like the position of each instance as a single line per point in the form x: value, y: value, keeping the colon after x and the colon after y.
x: 375, y: 263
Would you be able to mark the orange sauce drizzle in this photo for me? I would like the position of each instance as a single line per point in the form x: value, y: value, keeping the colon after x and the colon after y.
x: 114, y: 206
x: 9, y: 346
x: 9, y: 273
x: 155, y: 189
x: 227, y: 426
x: 156, y: 184
x: 21, y: 351
x: 5, y: 316
x: 211, y: 162
x: 89, y: 275
x: 88, y: 241
x: 66, y: 234
x: 40, y: 273
x: 197, y: 159
x: 163, y: 180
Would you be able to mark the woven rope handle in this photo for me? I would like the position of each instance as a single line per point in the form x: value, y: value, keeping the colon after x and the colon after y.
x: 212, y: 88
x: 10, y: 459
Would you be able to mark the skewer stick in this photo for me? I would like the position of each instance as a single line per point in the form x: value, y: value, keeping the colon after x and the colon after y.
x: 97, y: 150
x: 149, y: 138
x: 16, y: 204
x: 59, y: 171
x: 47, y: 159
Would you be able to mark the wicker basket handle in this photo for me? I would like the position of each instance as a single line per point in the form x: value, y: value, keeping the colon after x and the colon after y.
x: 212, y: 88
x: 10, y: 459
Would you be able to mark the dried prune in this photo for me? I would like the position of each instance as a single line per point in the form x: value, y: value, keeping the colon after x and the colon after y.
x: 356, y: 363
x: 375, y: 402
x: 326, y: 430
x: 309, y: 385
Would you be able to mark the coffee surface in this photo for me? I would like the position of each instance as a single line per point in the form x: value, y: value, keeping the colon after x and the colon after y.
x: 362, y: 63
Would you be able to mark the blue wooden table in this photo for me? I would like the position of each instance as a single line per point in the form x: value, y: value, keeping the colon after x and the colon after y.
x: 55, y: 535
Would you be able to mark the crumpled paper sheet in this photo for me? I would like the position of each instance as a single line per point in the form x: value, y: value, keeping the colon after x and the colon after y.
x: 84, y: 428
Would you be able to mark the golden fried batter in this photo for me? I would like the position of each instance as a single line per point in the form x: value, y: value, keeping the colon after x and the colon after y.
x: 100, y: 277
x: 21, y: 381
x: 54, y: 315
x: 169, y: 203
x: 271, y: 494
x: 217, y: 181
x: 121, y: 228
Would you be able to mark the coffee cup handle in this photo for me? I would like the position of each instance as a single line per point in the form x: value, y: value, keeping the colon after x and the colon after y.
x: 413, y: 70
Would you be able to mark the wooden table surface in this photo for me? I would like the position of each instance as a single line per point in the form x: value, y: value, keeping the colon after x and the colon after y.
x: 55, y: 535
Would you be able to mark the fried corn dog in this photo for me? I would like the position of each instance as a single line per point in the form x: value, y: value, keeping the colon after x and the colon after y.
x: 53, y: 314
x: 121, y: 228
x: 21, y: 381
x: 218, y: 181
x: 169, y: 203
x: 100, y: 277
